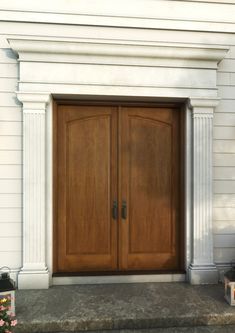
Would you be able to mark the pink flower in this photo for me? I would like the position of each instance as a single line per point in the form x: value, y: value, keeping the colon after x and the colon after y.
x: 7, y: 331
x: 14, y: 322
x: 2, y: 308
x: 2, y: 322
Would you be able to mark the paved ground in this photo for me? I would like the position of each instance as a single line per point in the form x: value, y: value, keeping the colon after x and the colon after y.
x: 164, y: 307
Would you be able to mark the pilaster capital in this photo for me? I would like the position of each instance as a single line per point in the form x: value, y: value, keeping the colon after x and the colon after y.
x: 198, y: 102
x: 203, y: 107
x: 33, y: 101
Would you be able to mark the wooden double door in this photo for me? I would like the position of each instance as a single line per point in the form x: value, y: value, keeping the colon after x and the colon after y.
x: 117, y: 192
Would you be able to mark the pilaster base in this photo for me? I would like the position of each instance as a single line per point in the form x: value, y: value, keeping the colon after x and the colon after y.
x: 33, y: 280
x: 203, y: 274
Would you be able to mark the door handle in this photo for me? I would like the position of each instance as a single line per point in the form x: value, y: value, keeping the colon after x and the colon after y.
x: 124, y: 210
x: 115, y: 210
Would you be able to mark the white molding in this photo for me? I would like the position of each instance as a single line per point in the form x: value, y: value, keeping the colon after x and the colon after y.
x: 119, y: 279
x: 229, y: 2
x: 71, y: 76
x: 49, y: 188
x: 33, y: 102
x: 119, y: 48
x: 188, y: 212
x: 34, y: 273
x: 210, y: 103
x: 202, y: 268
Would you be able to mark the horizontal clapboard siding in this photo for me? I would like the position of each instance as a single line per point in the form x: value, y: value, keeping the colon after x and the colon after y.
x: 224, y: 200
x: 224, y: 241
x: 8, y: 142
x: 224, y: 146
x: 224, y: 163
x: 10, y: 128
x: 226, y: 106
x: 11, y: 229
x: 14, y: 258
x: 10, y: 113
x: 224, y: 119
x: 224, y: 133
x: 231, y: 52
x: 224, y: 173
x: 10, y: 157
x: 223, y: 160
x: 8, y: 84
x: 7, y: 56
x: 224, y: 214
x: 10, y: 163
x: 226, y: 92
x: 10, y: 215
x: 11, y: 200
x: 224, y: 255
x: 10, y: 186
x: 224, y: 186
x: 10, y: 244
x: 224, y: 227
x: 10, y: 171
x: 227, y: 66
x: 8, y: 99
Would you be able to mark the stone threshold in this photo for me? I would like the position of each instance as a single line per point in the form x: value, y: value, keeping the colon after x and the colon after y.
x: 156, y: 307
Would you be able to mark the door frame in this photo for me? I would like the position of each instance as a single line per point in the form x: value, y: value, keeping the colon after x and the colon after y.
x: 179, y: 107
x: 188, y: 75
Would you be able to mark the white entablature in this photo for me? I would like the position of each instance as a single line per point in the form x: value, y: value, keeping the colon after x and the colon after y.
x: 72, y: 67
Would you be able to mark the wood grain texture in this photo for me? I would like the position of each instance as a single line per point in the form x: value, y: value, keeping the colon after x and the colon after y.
x: 123, y: 153
x: 87, y: 237
x: 150, y: 184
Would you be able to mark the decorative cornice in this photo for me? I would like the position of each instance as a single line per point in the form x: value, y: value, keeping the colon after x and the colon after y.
x: 113, y: 48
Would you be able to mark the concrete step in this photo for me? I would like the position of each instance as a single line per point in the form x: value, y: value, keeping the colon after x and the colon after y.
x: 125, y: 308
x: 201, y: 329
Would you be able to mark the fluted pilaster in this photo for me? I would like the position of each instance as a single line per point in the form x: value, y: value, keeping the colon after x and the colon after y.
x: 34, y: 273
x: 202, y: 268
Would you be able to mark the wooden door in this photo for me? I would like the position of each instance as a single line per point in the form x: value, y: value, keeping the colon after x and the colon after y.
x: 87, y: 187
x: 128, y: 155
x: 149, y: 181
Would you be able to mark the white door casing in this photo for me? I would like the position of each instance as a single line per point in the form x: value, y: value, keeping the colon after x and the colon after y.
x: 128, y: 70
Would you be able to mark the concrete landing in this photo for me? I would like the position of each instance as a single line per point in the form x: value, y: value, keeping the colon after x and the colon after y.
x: 142, y: 307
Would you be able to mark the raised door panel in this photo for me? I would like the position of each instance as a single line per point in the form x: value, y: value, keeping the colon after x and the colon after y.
x: 149, y: 184
x: 87, y: 169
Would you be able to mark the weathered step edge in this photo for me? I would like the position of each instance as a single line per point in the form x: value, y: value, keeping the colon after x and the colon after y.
x: 107, y: 324
x: 198, y: 329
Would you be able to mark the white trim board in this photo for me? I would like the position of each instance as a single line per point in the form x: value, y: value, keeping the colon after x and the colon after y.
x: 118, y: 279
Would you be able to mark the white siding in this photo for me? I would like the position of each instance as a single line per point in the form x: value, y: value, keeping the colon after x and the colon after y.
x: 11, y: 117
x: 10, y: 163
x: 224, y: 163
x: 10, y: 215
